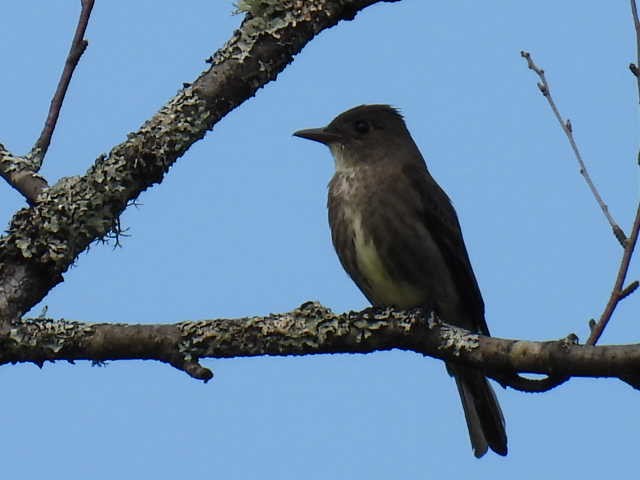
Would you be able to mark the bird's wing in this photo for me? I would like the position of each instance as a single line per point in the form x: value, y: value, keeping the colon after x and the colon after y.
x: 442, y: 222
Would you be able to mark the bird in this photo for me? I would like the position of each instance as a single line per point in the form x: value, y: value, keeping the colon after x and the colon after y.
x: 397, y: 235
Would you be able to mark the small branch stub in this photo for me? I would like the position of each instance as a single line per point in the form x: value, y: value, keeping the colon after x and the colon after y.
x: 629, y: 289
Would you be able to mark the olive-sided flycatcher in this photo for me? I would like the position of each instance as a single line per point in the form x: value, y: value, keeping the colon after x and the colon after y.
x: 398, y: 237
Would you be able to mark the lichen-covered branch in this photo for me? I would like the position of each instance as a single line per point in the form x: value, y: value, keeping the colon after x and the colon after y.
x: 310, y: 329
x: 43, y: 241
x: 19, y: 172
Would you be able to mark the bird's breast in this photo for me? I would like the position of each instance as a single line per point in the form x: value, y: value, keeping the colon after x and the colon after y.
x: 349, y: 204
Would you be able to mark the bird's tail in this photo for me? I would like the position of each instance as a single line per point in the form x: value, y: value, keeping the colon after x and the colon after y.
x: 481, y: 410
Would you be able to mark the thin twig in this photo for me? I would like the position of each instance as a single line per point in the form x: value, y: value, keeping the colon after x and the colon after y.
x: 567, y: 128
x: 78, y: 46
x: 618, y: 292
x: 635, y: 67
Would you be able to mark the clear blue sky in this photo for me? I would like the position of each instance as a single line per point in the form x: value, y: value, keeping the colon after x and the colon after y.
x: 239, y: 228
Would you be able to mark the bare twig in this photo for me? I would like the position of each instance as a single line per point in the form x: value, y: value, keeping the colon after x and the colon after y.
x: 635, y: 67
x: 618, y: 293
x: 21, y: 172
x: 567, y: 128
x: 78, y: 46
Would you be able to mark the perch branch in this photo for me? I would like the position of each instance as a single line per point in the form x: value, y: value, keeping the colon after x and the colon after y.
x: 307, y: 330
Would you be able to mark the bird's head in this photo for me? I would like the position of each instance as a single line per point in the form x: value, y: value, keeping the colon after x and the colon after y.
x: 365, y: 134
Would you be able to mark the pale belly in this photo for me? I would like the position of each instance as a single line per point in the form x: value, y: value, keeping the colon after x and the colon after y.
x: 383, y: 289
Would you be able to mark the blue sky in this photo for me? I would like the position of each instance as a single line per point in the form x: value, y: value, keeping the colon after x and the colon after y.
x: 239, y: 228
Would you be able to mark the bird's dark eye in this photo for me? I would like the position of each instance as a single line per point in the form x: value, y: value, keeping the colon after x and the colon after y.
x: 361, y: 126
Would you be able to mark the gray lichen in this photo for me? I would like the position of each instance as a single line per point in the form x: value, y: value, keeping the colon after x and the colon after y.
x: 458, y: 340
x: 264, y: 17
x: 255, y: 7
x: 47, y: 335
x: 12, y: 163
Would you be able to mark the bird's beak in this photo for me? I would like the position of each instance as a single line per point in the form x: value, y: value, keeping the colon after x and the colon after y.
x: 322, y: 135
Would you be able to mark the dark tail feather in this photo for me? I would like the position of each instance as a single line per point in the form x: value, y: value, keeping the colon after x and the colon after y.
x: 481, y: 410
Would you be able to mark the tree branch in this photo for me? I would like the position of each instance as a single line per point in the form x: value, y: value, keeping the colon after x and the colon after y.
x: 619, y: 291
x: 78, y: 46
x: 19, y: 173
x: 42, y: 242
x: 310, y: 329
x: 567, y: 128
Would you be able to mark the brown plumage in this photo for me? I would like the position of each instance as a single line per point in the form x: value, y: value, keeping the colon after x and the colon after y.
x: 398, y: 237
